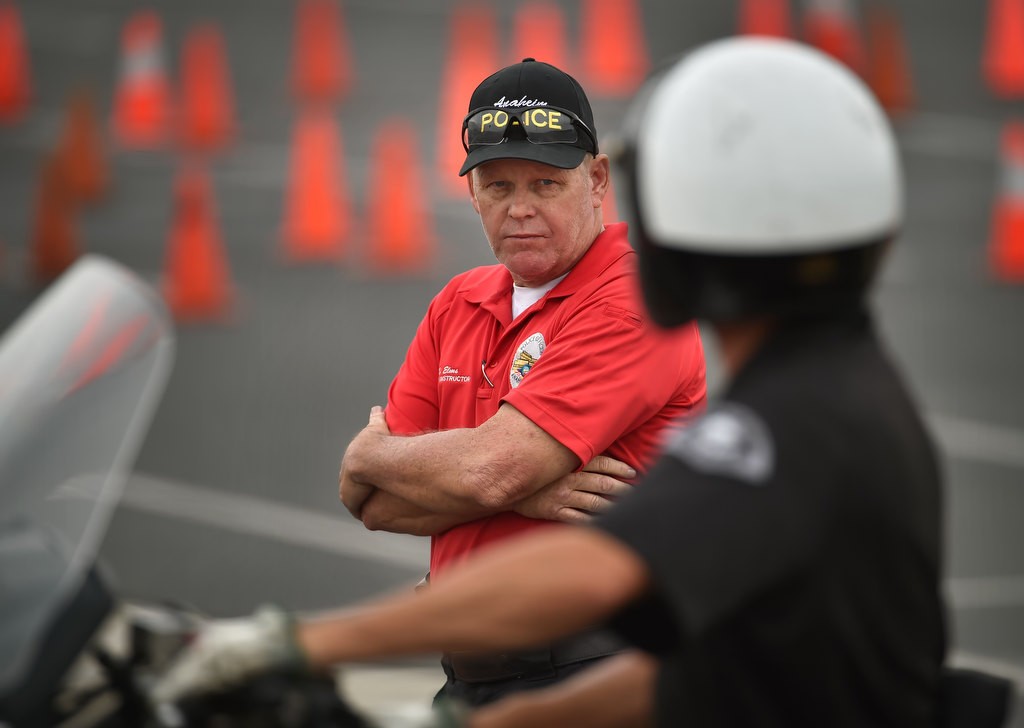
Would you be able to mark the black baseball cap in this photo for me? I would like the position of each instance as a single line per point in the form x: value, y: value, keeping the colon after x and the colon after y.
x: 526, y: 85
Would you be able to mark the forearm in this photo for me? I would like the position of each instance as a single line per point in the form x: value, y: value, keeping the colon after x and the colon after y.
x: 616, y: 693
x: 383, y: 511
x: 516, y: 595
x: 460, y: 471
x: 438, y: 472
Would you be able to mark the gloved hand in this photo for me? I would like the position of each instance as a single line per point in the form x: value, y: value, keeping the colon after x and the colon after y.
x: 229, y: 652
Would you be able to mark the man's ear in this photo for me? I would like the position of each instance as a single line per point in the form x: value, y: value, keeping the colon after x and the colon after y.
x: 472, y: 191
x: 600, y: 178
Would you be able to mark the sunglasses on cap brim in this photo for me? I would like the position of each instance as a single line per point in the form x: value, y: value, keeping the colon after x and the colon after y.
x: 488, y: 126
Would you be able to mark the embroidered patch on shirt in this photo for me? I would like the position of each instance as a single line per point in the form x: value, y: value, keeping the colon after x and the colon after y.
x: 527, y: 355
x: 730, y: 440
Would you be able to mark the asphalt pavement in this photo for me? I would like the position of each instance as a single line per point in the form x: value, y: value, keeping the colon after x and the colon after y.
x: 234, y: 501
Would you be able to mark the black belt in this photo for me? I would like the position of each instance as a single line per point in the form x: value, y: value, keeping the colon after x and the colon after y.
x: 476, y: 667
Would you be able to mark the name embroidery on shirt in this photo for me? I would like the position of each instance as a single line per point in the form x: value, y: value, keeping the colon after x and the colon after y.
x: 528, y: 353
x: 450, y: 374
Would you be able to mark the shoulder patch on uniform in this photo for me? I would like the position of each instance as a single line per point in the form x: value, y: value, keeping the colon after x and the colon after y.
x: 730, y: 440
x: 528, y: 354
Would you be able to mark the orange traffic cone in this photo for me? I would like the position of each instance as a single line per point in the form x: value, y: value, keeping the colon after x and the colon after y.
x: 830, y: 26
x: 612, y: 47
x: 539, y: 32
x: 55, y: 243
x: 207, y: 104
x: 83, y: 158
x: 1003, y: 59
x: 765, y: 17
x: 1006, y: 245
x: 15, y: 86
x: 321, y: 69
x: 472, y: 56
x: 888, y: 70
x: 317, y: 214
x: 401, y: 237
x: 142, y: 105
x: 196, y: 283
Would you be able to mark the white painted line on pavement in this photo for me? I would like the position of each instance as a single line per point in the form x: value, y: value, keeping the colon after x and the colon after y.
x: 985, y: 592
x: 269, y: 519
x: 964, y: 439
x: 960, y: 439
x: 389, y: 691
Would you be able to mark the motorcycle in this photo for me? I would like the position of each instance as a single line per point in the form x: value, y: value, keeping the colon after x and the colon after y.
x: 81, y: 375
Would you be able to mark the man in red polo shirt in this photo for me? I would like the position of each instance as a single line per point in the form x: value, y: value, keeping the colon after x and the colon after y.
x: 533, y: 388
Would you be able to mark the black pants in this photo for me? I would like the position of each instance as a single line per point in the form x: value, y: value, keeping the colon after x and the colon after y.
x: 481, y: 693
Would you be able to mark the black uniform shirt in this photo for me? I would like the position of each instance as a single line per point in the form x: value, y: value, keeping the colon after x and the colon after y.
x: 792, y: 536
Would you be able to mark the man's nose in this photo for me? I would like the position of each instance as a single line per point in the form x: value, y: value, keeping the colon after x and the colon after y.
x: 521, y: 205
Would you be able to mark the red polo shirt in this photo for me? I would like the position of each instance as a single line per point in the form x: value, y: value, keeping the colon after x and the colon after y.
x: 583, y: 363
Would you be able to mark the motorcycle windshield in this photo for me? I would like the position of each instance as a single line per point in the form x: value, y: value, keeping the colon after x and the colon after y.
x: 81, y: 373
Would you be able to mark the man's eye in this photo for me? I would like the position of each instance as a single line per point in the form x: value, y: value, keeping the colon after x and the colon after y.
x: 545, y: 182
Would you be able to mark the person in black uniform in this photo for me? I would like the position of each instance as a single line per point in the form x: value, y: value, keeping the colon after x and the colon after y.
x: 782, y: 561
x: 793, y: 533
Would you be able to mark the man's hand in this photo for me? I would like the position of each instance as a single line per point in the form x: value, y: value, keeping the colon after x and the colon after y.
x: 576, y: 497
x: 354, y: 494
x: 228, y: 653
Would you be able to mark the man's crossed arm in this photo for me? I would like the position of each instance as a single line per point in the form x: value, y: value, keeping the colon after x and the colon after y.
x: 428, y: 483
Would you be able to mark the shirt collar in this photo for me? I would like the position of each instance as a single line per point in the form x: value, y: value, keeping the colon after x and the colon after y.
x: 610, y: 245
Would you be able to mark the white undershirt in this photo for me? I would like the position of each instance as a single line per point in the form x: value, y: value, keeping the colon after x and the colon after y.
x: 523, y: 297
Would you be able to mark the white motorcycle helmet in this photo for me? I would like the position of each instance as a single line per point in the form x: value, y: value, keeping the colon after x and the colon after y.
x: 759, y: 176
